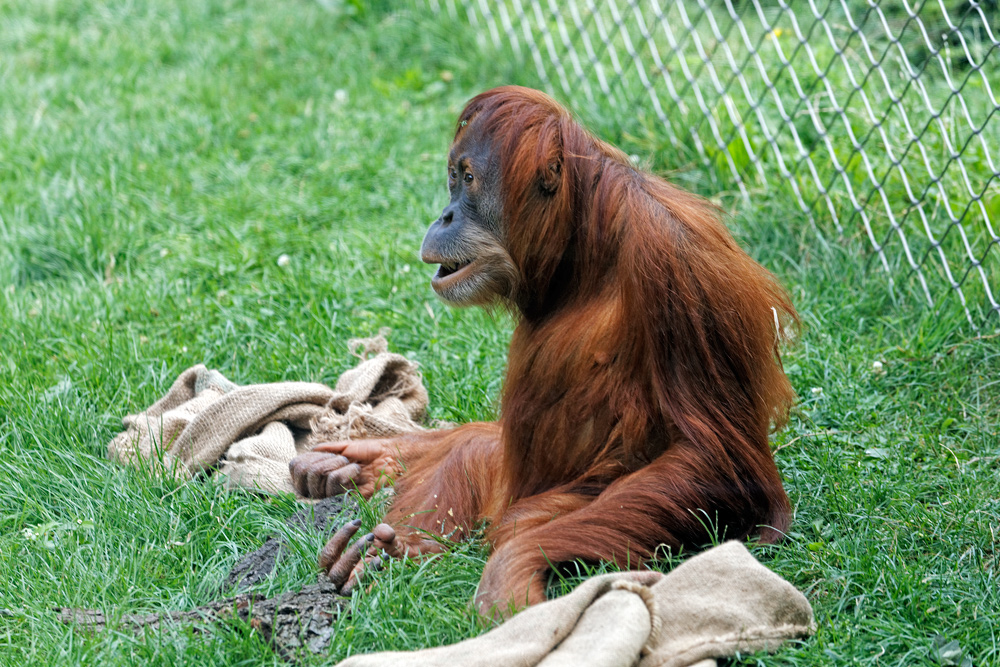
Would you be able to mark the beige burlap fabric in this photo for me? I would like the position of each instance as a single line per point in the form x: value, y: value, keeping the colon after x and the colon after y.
x: 251, y: 433
x: 382, y: 396
x: 714, y: 605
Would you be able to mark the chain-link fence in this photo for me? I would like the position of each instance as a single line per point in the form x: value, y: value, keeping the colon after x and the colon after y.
x: 876, y: 117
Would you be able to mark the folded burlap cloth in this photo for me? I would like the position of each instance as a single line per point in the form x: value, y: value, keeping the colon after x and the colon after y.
x: 253, y: 431
x: 712, y: 606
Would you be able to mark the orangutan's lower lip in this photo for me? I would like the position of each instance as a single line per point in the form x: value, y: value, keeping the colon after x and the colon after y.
x: 449, y: 274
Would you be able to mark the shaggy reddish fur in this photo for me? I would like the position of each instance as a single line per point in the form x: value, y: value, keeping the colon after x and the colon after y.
x: 643, y: 375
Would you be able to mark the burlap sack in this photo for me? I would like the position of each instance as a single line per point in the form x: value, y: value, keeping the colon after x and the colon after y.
x: 714, y: 605
x: 380, y: 397
x: 250, y: 433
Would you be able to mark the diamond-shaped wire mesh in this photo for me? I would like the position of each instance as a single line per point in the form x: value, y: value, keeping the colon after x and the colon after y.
x: 876, y: 117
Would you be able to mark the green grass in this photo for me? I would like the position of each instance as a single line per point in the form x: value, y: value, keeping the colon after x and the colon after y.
x: 155, y: 161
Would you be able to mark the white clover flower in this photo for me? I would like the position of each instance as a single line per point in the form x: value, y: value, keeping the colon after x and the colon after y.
x: 340, y: 96
x: 878, y: 366
x: 284, y: 260
x: 817, y: 391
